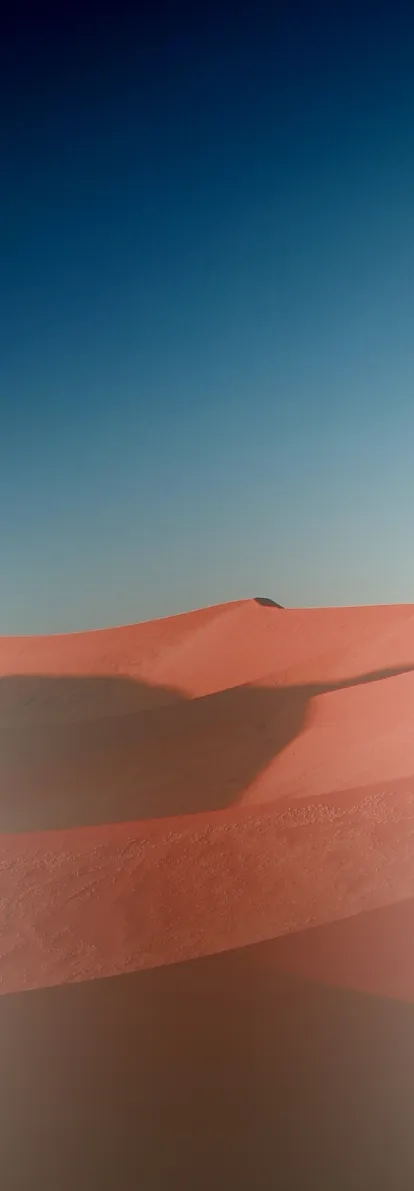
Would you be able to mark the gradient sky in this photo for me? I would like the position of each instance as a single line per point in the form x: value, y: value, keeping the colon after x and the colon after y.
x: 206, y: 311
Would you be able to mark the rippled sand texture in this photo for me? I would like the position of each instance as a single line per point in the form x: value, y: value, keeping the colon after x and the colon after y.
x: 232, y: 789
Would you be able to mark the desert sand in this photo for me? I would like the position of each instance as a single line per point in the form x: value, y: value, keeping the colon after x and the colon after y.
x: 207, y: 837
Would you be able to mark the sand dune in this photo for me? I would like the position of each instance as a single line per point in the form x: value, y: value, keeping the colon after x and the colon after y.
x: 196, y: 736
x: 236, y: 783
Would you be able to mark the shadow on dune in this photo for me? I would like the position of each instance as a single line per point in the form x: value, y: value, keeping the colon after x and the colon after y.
x: 32, y: 700
x: 221, y: 1072
x: 81, y: 751
x: 266, y: 603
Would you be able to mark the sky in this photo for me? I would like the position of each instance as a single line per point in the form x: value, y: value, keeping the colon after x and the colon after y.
x: 206, y: 309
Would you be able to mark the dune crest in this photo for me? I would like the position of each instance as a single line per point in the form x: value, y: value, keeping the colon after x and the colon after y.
x: 146, y: 773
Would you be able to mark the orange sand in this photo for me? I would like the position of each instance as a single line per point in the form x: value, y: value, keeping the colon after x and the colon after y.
x: 197, y: 784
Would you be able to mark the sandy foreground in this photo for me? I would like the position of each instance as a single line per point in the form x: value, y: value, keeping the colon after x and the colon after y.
x: 207, y: 901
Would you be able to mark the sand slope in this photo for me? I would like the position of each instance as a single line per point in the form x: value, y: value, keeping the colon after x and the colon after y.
x: 198, y: 783
x: 232, y: 789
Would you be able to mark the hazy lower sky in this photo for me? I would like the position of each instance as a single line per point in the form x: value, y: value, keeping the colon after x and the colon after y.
x: 206, y: 311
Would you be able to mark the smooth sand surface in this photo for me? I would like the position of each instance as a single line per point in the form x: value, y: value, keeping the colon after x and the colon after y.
x: 232, y: 789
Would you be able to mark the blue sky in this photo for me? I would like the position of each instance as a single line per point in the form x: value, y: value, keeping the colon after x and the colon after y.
x: 206, y: 309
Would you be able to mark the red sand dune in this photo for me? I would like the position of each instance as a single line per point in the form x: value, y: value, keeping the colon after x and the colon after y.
x: 235, y: 784
x: 203, y: 782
